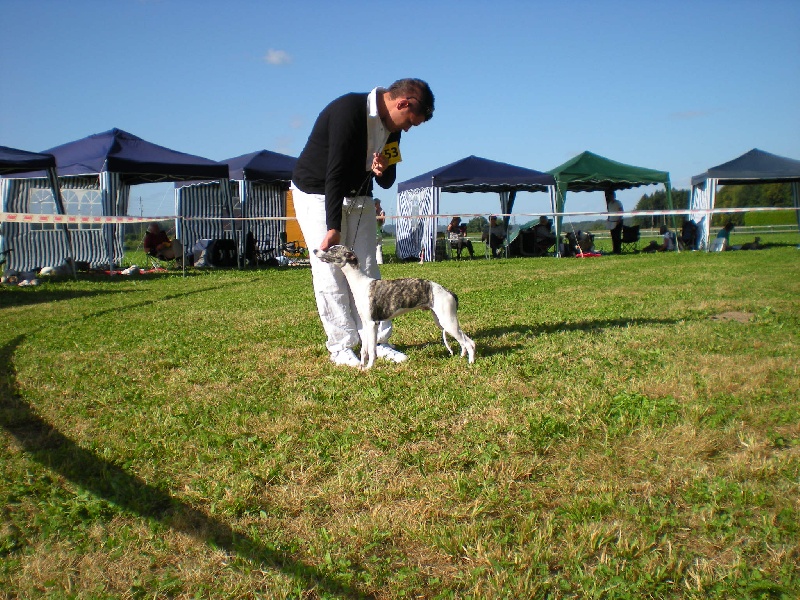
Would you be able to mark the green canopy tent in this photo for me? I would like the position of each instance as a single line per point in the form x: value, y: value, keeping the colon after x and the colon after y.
x: 590, y: 172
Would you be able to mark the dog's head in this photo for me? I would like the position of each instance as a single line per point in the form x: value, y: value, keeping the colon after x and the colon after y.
x: 337, y: 255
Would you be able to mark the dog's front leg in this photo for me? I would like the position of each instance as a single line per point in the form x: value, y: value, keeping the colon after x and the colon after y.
x: 369, y: 344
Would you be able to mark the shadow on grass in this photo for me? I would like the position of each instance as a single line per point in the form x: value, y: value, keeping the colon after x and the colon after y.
x: 530, y: 330
x: 50, y: 292
x: 53, y: 450
x: 31, y: 296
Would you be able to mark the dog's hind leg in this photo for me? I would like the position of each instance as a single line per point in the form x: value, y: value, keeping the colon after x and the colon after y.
x: 445, y: 317
x: 444, y: 333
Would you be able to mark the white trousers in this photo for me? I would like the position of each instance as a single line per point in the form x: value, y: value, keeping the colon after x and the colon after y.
x: 334, y: 301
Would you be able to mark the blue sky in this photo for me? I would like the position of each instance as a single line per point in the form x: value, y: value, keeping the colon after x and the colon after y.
x: 678, y: 86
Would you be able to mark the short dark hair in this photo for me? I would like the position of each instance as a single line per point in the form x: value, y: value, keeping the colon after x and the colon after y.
x: 416, y: 88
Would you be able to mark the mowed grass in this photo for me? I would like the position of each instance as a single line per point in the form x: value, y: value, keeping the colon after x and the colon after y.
x: 630, y: 429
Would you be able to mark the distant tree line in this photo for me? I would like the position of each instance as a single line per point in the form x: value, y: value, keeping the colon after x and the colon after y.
x: 728, y: 196
x: 760, y: 194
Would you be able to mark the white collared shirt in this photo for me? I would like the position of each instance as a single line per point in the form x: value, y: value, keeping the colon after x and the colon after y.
x: 377, y: 134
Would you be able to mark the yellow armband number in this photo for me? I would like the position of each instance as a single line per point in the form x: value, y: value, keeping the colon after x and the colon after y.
x: 392, y: 153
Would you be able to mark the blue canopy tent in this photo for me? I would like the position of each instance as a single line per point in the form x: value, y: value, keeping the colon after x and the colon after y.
x: 258, y: 184
x: 33, y: 244
x: 96, y: 174
x: 419, y: 197
x: 751, y: 167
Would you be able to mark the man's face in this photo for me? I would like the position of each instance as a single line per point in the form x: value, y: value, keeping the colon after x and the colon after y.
x: 405, y: 113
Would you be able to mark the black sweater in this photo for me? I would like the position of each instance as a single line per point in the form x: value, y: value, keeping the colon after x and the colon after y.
x: 332, y: 163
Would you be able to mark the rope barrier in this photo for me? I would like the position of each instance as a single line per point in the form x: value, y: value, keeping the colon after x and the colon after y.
x: 103, y: 220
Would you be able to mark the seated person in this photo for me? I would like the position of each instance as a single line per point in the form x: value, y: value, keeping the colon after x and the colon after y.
x: 456, y: 232
x: 689, y: 234
x: 157, y: 243
x: 667, y: 241
x: 543, y: 235
x: 578, y: 242
x: 494, y: 235
x: 585, y: 241
x: 725, y: 234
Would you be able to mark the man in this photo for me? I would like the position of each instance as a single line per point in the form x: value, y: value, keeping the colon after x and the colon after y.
x: 614, y: 223
x: 355, y: 138
x: 494, y: 236
x: 543, y: 237
x: 380, y: 220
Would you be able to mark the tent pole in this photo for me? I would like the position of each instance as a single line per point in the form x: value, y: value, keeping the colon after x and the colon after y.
x: 59, y: 201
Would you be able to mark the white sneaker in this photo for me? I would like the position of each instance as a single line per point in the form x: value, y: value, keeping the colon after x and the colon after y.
x: 345, y: 357
x: 390, y: 353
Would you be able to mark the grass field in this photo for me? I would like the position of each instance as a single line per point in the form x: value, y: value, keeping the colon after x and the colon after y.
x: 630, y: 429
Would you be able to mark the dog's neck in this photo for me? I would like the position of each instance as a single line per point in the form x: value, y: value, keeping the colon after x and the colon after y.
x: 353, y: 273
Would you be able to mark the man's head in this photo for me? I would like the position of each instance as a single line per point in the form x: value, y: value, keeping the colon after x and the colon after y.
x: 153, y: 228
x: 409, y: 102
x: 610, y: 195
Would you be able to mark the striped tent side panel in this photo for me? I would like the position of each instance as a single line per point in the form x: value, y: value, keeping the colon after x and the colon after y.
x: 31, y: 248
x: 201, y: 207
x: 415, y: 232
x: 264, y: 200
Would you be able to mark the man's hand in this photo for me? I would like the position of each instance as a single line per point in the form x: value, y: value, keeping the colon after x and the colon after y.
x: 379, y: 164
x: 331, y: 239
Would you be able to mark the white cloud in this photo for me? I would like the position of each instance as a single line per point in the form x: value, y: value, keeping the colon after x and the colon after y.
x: 277, y: 57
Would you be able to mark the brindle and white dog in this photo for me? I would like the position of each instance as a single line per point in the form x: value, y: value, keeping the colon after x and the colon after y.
x: 384, y: 299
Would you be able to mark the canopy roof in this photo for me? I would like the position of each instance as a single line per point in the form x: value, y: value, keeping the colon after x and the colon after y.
x: 20, y: 161
x: 589, y: 172
x: 752, y: 167
x: 475, y: 174
x: 136, y: 160
x: 263, y: 166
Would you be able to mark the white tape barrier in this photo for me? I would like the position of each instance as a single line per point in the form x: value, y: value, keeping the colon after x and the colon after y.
x: 83, y: 220
x: 77, y: 219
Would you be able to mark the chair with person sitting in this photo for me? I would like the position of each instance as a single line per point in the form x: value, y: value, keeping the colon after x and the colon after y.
x: 544, y: 238
x: 457, y: 238
x: 157, y: 245
x: 494, y: 235
x: 688, y: 239
x: 668, y: 242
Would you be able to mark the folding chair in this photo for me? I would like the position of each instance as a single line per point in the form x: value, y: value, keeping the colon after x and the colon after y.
x: 258, y: 253
x: 630, y: 238
x: 294, y: 251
